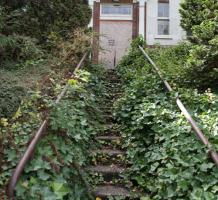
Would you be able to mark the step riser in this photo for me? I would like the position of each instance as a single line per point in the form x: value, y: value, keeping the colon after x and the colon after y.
x: 118, y: 198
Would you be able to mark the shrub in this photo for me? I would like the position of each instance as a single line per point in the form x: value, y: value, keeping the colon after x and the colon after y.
x: 199, y: 18
x: 38, y: 19
x: 10, y: 99
x: 19, y: 48
x: 72, y: 50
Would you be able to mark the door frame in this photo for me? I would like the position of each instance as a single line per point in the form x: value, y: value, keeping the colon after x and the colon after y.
x: 96, y: 23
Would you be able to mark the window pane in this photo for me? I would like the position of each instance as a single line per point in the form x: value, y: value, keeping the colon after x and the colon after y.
x: 116, y: 10
x: 163, y: 9
x: 163, y: 27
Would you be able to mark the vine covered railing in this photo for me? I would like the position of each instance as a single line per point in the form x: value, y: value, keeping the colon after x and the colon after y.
x: 185, y: 112
x: 32, y: 146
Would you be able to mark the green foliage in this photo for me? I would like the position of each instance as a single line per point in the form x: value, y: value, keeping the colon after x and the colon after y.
x: 56, y: 170
x: 19, y: 49
x: 39, y: 19
x: 1, y: 18
x: 10, y: 99
x: 199, y: 18
x: 167, y: 159
x: 28, y: 31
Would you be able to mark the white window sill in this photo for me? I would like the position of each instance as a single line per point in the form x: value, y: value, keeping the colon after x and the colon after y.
x: 166, y: 37
x: 163, y: 18
x: 115, y: 17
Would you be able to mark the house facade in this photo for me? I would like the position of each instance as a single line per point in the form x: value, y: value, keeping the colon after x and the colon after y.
x: 117, y: 22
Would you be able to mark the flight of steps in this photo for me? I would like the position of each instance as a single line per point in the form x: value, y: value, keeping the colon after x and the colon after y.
x: 108, y: 160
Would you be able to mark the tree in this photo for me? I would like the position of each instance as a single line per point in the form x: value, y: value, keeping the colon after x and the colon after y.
x: 200, y: 19
x: 40, y: 18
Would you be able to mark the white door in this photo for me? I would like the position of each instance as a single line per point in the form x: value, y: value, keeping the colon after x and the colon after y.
x: 115, y: 33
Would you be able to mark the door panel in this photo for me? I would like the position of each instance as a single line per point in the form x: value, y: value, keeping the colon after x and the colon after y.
x: 115, y: 39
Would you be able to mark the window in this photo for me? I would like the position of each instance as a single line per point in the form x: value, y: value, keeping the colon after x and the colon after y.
x: 116, y: 9
x: 163, y: 19
x: 163, y: 27
x: 163, y: 9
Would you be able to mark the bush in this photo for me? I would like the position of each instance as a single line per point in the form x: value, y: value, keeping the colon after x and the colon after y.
x: 199, y: 18
x: 10, y: 99
x: 19, y: 48
x: 72, y: 50
x: 38, y: 19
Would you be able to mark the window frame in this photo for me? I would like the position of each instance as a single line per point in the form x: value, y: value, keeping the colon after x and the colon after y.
x: 116, y: 16
x: 161, y: 18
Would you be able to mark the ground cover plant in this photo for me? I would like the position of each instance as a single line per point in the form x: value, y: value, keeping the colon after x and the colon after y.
x: 55, y: 172
x: 167, y: 161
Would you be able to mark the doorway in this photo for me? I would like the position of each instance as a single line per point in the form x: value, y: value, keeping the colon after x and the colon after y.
x: 115, y: 33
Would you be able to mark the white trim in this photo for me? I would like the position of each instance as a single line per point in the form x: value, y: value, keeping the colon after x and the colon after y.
x: 142, y: 17
x: 169, y: 37
x: 91, y: 4
x: 163, y: 18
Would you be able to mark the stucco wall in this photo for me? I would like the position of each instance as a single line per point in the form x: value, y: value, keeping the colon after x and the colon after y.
x: 176, y: 32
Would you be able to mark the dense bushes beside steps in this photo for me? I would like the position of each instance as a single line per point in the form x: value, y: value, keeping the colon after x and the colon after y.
x: 167, y: 161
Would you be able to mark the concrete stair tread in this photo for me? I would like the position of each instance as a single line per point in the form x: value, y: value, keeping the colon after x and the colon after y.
x: 108, y: 137
x: 107, y: 169
x: 111, y: 190
x: 109, y: 151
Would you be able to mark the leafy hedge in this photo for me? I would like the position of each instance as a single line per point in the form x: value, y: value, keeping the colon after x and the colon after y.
x: 167, y: 161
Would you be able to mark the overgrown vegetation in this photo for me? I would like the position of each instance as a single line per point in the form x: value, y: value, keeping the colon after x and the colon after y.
x: 37, y: 34
x: 56, y: 170
x: 167, y: 160
x: 38, y: 50
x: 199, y: 19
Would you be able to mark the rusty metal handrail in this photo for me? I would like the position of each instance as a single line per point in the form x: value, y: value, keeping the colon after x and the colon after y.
x: 30, y: 149
x: 185, y: 112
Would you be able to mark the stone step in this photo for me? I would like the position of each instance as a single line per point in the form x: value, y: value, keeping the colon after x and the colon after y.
x: 107, y: 156
x: 110, y: 141
x: 107, y: 191
x: 111, y: 152
x: 107, y: 169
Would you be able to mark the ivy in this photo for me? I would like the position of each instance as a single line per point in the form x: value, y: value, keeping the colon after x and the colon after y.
x: 167, y: 161
x: 55, y: 172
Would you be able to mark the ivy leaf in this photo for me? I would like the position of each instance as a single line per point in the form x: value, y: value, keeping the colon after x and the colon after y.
x: 60, y: 189
x: 205, y: 166
x: 42, y: 175
x: 145, y: 198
